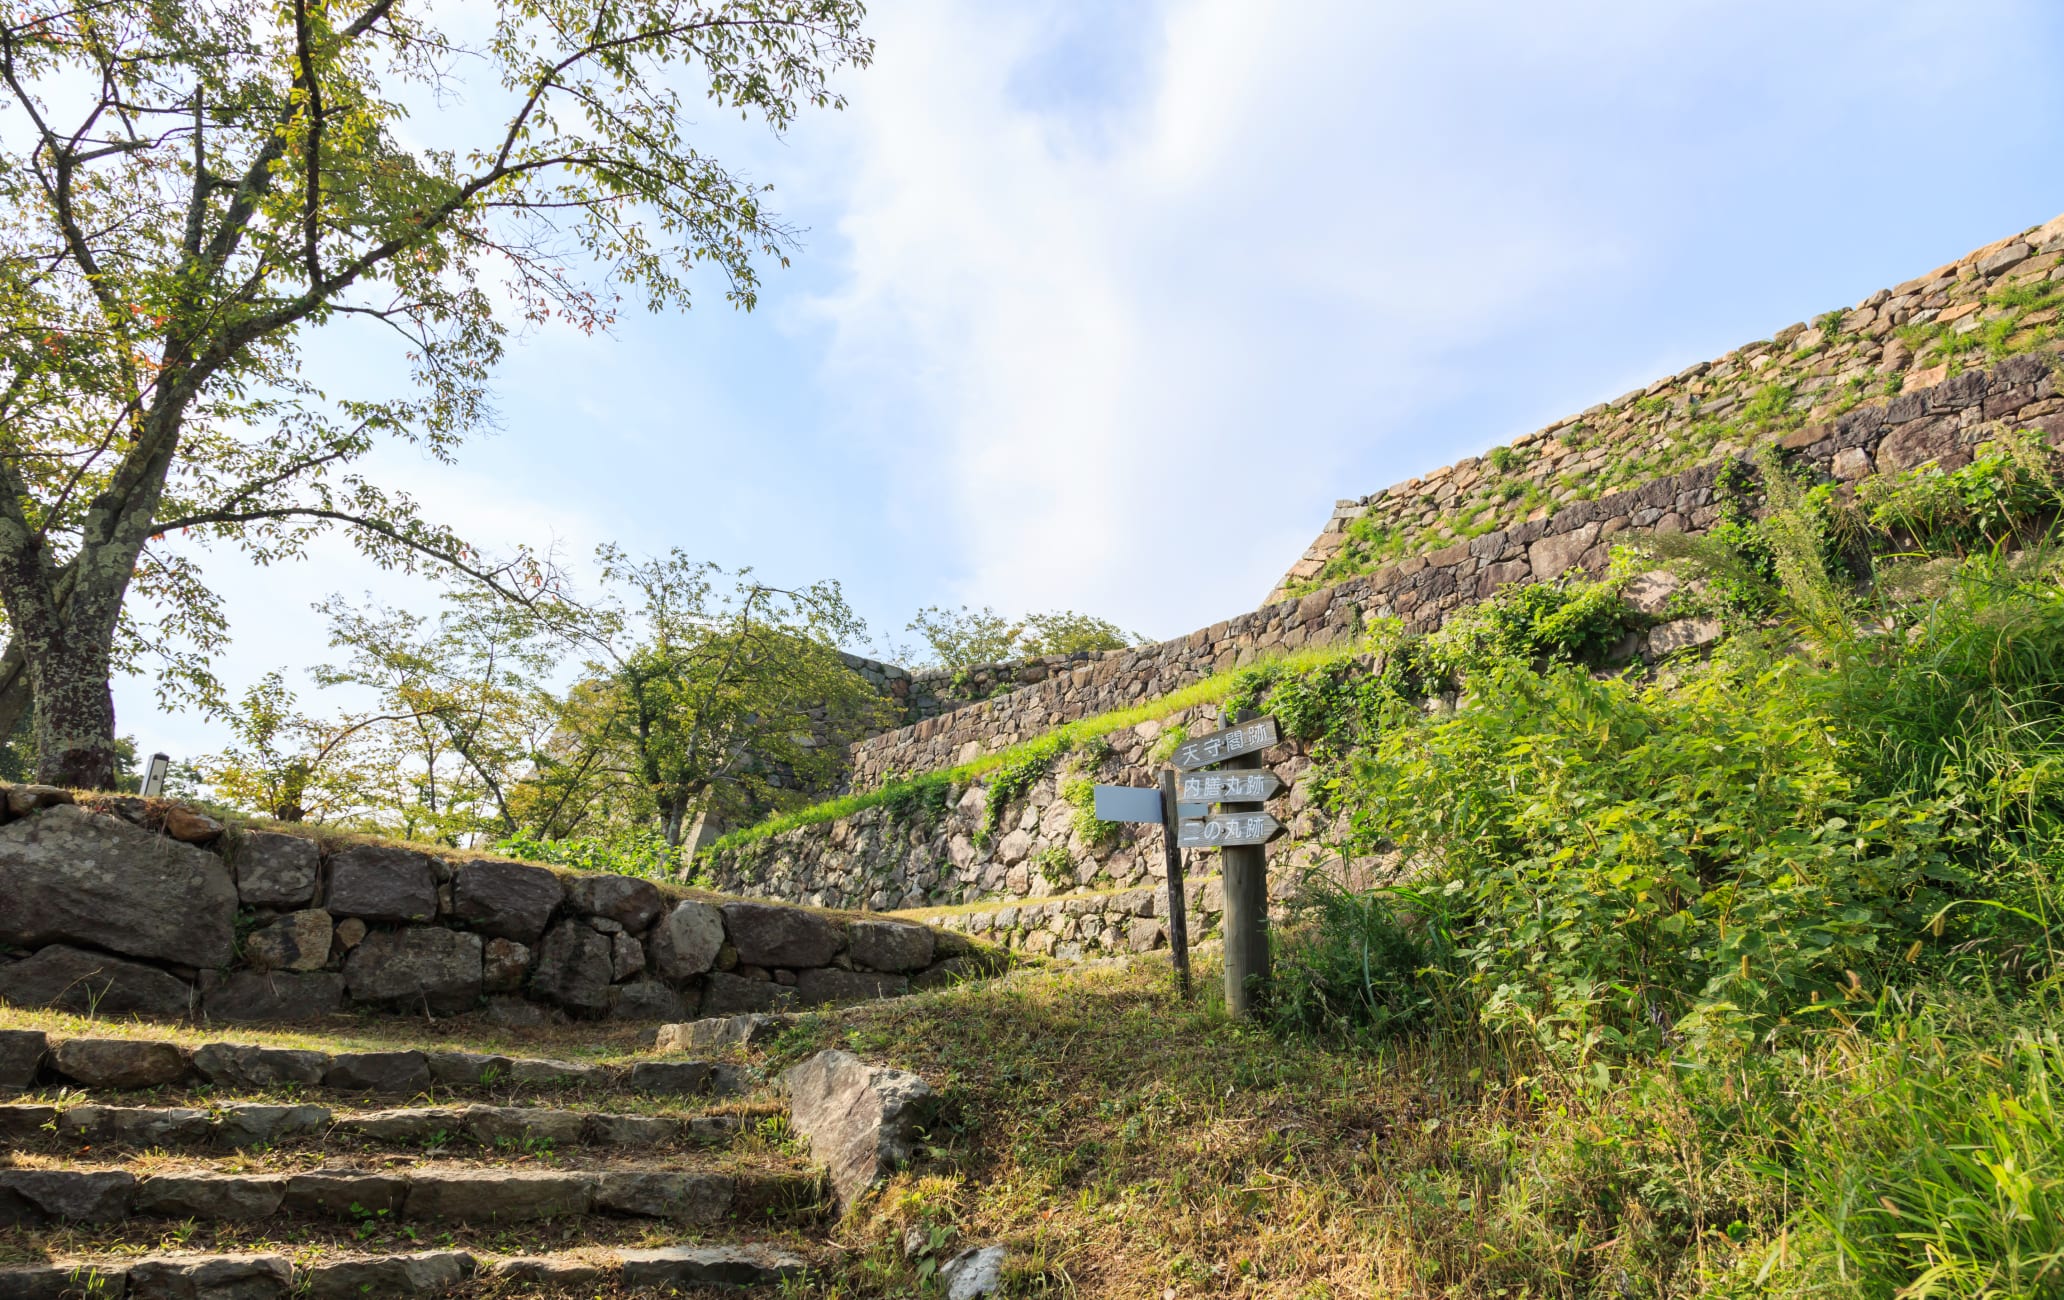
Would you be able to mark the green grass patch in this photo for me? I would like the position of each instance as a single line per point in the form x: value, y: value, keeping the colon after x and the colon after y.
x: 1034, y: 756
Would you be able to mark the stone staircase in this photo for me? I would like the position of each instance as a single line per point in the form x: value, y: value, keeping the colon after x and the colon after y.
x: 226, y: 1171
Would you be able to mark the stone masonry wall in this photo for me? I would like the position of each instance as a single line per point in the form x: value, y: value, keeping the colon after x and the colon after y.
x: 2006, y: 295
x: 129, y: 907
x: 1942, y: 422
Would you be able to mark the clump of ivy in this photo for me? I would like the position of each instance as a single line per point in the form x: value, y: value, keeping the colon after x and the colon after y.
x: 918, y: 802
x: 1015, y: 779
x: 1092, y: 830
x: 1055, y: 867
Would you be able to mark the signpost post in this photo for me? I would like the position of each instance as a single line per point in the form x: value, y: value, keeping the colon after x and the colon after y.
x: 1243, y: 871
x: 1178, y: 903
x: 1239, y: 829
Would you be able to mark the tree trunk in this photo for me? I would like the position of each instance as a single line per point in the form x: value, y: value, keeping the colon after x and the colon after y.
x: 75, y: 715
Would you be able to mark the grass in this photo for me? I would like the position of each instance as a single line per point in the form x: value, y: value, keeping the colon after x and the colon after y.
x: 1062, y: 739
x: 1122, y: 1142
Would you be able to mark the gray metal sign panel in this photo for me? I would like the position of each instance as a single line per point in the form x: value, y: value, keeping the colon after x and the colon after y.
x: 1186, y: 811
x: 1238, y: 785
x: 1228, y: 829
x: 1246, y: 738
x: 1128, y: 803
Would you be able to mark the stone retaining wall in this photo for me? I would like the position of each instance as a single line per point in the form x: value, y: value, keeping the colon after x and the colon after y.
x: 1804, y: 373
x: 124, y: 906
x: 1942, y: 422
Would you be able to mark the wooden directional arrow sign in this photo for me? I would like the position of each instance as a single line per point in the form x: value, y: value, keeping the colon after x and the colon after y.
x: 1246, y: 738
x: 1236, y: 786
x: 1225, y: 830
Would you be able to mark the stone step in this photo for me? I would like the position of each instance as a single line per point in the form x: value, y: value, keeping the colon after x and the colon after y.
x: 31, y: 1125
x: 428, y: 1191
x: 29, y: 1058
x: 429, y: 1273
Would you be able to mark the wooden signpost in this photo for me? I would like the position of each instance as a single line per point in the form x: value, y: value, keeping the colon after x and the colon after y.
x: 1239, y: 829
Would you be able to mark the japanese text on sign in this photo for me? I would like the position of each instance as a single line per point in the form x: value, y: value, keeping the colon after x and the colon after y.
x: 1230, y: 743
x: 1228, y: 830
x: 1228, y: 787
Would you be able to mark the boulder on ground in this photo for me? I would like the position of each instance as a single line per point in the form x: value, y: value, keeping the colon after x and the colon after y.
x: 265, y: 997
x: 767, y: 934
x: 94, y: 983
x: 686, y: 940
x: 421, y: 965
x: 69, y: 875
x: 119, y: 1062
x: 243, y: 1065
x: 890, y: 945
x: 862, y: 1120
x: 509, y: 900
x: 274, y: 870
x: 379, y: 882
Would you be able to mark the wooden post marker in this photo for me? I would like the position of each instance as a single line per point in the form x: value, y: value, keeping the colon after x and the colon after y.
x: 1243, y: 870
x: 1178, y: 904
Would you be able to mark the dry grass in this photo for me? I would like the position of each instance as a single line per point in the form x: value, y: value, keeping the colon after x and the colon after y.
x: 1122, y: 1143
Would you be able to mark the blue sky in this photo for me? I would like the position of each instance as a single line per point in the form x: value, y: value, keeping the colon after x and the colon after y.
x: 1075, y: 271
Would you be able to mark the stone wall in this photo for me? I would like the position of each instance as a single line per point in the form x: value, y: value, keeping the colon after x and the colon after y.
x: 123, y: 906
x: 1039, y: 884
x: 1941, y: 422
x: 1804, y: 374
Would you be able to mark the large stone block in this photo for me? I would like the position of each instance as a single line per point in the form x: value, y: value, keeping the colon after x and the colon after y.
x: 573, y: 968
x: 69, y: 875
x: 686, y: 940
x: 766, y: 934
x: 21, y: 1057
x: 630, y: 902
x: 421, y: 965
x: 498, y: 1195
x: 238, y: 1277
x: 687, y: 1197
x: 830, y: 984
x: 250, y: 1124
x: 345, y: 1193
x: 65, y: 1195
x: 509, y: 900
x: 119, y: 1062
x: 242, y: 1065
x: 297, y: 941
x: 862, y: 1120
x: 262, y: 997
x: 389, y: 1073
x: 94, y: 983
x: 728, y: 995
x: 210, y: 1195
x: 890, y: 945
x: 705, y: 1266
x: 378, y: 882
x: 423, y: 1274
x: 1554, y: 556
x: 274, y: 870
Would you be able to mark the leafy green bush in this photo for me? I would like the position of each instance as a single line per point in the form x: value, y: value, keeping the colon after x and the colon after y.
x: 632, y: 853
x: 1631, y: 854
x: 1376, y: 963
